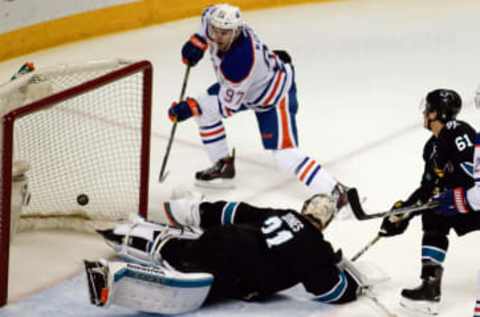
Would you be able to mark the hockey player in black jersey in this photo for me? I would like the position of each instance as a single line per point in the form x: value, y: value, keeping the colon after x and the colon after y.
x: 448, y: 156
x: 255, y: 252
x: 251, y: 252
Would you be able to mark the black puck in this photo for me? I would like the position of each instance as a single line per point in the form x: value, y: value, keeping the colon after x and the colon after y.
x: 82, y: 199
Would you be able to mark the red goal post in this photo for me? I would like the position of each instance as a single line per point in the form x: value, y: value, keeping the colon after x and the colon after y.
x: 80, y: 131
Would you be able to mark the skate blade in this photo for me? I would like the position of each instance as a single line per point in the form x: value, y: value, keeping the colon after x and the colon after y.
x: 423, y: 307
x: 216, y: 183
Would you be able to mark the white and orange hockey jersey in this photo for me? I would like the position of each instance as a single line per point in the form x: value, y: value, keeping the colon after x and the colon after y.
x: 249, y: 74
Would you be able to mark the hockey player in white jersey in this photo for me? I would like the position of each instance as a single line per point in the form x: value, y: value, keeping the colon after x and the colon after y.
x: 249, y: 77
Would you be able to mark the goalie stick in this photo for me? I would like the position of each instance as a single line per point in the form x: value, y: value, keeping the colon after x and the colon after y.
x: 365, y: 248
x: 360, y: 214
x: 368, y: 293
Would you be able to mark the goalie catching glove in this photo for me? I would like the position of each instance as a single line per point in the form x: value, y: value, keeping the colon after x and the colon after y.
x: 141, y: 241
x: 183, y: 110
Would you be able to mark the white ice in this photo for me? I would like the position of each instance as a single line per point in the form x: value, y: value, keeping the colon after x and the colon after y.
x: 362, y: 68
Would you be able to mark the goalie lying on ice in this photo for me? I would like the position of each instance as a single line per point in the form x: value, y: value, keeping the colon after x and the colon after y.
x: 215, y: 250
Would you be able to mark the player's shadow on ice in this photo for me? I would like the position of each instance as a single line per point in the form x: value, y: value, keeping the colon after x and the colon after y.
x: 267, y: 299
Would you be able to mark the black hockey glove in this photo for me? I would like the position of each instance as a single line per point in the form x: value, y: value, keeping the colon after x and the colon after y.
x: 284, y: 56
x: 181, y: 111
x: 394, y: 225
x: 193, y: 50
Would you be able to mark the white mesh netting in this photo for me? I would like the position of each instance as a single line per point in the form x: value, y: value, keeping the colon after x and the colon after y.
x: 88, y: 144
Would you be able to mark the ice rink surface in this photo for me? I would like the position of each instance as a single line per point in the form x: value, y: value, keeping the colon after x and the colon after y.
x: 362, y: 67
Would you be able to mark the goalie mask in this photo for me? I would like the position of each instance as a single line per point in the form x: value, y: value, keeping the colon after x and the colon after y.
x: 320, y: 207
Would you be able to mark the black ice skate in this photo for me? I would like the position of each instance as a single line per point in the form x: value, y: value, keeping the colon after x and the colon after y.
x: 219, y: 175
x: 426, y: 297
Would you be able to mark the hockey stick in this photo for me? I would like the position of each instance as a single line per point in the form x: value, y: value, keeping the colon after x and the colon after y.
x: 367, y: 291
x: 360, y: 214
x: 365, y: 248
x: 378, y: 304
x: 163, y: 175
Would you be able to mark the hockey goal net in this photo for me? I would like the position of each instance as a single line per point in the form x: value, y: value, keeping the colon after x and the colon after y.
x: 77, y: 138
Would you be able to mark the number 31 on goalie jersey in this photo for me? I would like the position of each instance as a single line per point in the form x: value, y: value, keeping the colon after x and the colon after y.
x: 279, y: 230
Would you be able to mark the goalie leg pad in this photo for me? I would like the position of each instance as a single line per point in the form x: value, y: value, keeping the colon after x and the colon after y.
x: 152, y: 289
x: 141, y: 241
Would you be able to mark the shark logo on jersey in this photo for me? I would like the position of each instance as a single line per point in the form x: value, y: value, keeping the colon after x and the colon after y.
x: 467, y: 167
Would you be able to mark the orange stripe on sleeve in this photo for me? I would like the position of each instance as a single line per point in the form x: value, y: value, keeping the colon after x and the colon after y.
x: 307, y: 169
x: 286, y: 138
x: 280, y: 75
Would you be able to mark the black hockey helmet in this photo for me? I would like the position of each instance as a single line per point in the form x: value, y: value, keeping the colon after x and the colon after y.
x: 445, y: 102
